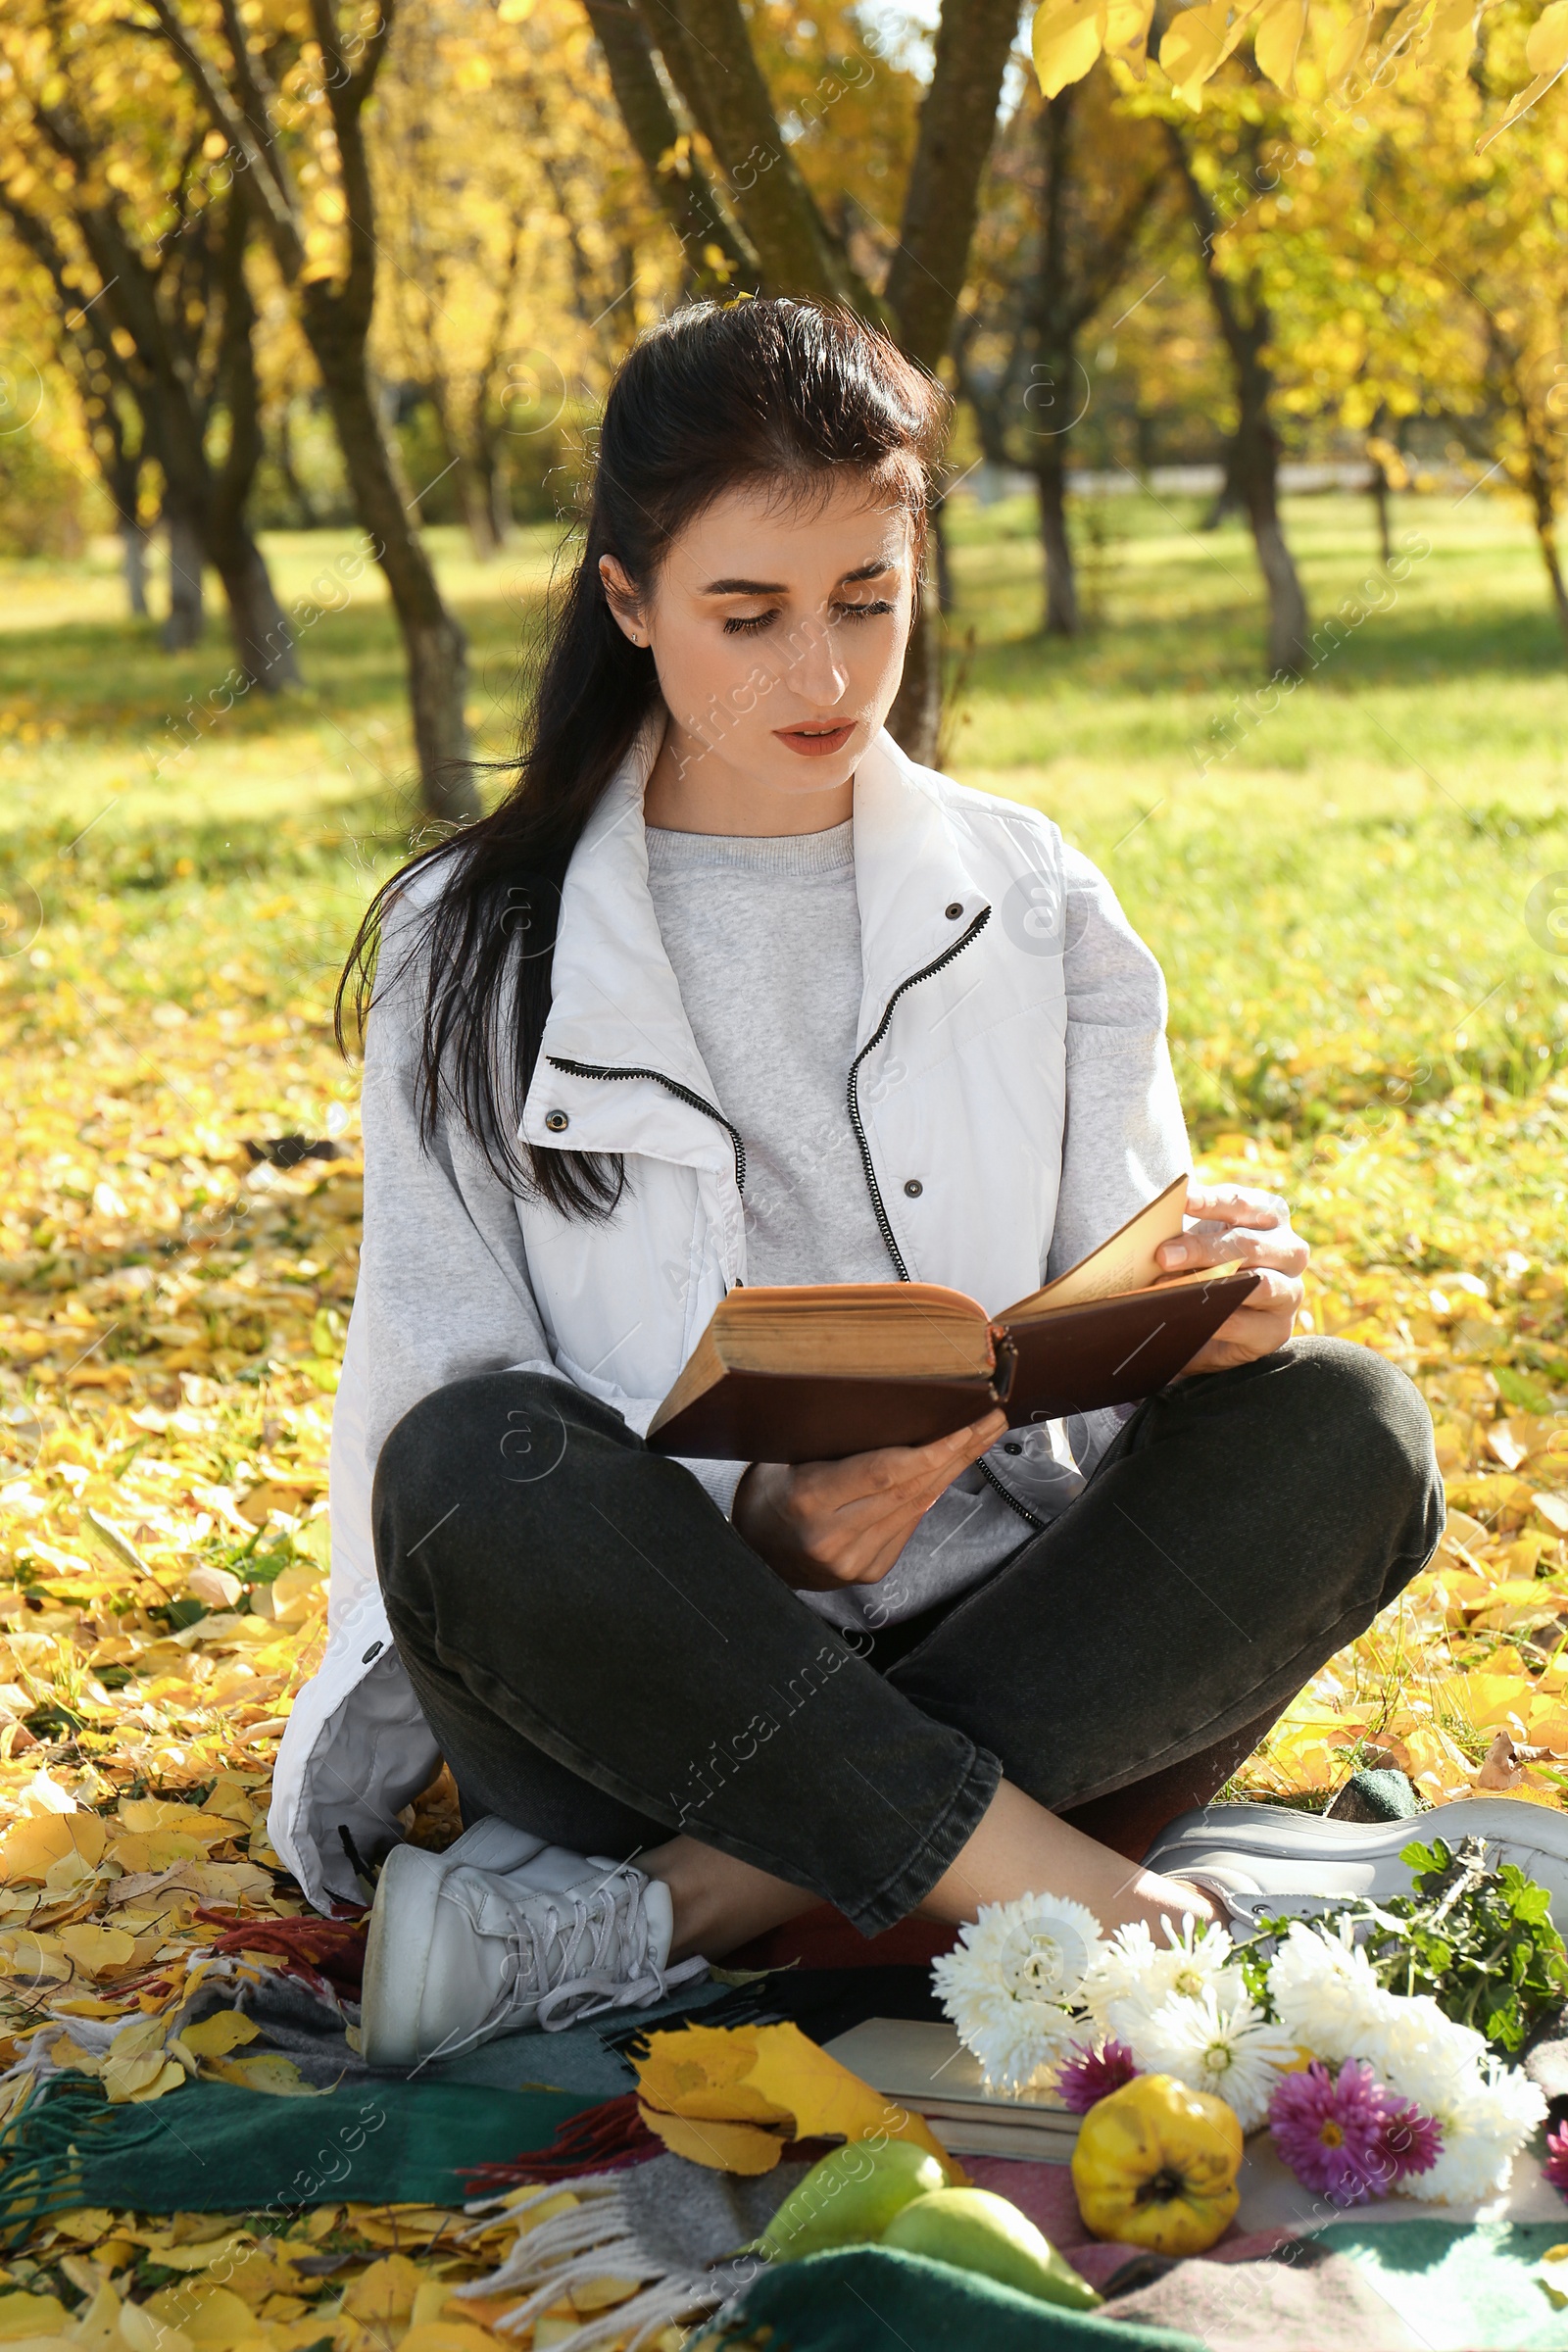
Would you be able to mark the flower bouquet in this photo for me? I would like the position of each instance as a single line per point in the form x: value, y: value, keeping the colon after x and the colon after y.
x: 1374, y: 2041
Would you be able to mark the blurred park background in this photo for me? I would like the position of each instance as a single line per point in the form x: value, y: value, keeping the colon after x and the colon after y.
x: 1246, y: 573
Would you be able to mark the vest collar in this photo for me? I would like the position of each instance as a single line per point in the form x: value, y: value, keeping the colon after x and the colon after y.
x: 616, y: 1003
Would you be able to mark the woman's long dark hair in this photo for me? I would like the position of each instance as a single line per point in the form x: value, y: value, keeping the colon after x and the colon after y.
x: 716, y: 397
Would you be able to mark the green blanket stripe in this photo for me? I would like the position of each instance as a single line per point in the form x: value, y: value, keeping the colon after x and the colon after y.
x: 870, y: 2299
x: 214, y: 2147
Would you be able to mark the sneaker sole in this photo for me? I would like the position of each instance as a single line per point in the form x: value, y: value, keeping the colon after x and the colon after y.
x: 397, y: 1955
x: 1329, y: 1860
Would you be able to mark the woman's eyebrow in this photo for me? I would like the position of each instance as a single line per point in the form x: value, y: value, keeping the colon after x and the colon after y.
x: 862, y: 572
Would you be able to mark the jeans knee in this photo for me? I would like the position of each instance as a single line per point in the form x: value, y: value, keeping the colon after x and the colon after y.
x: 1379, y: 1425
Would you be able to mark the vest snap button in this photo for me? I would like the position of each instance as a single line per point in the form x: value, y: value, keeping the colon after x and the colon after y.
x: 914, y: 1188
x: 954, y: 910
x: 557, y: 1121
x: 374, y: 1651
x: 1013, y: 1446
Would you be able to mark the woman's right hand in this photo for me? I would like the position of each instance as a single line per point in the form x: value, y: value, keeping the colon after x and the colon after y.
x: 820, y: 1525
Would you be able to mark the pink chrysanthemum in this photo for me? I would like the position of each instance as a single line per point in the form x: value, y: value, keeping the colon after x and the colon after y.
x: 1091, y: 2075
x: 1412, y: 2141
x: 1557, y: 2160
x: 1349, y: 2139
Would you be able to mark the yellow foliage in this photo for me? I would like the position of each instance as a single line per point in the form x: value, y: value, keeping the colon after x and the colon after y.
x: 710, y: 2094
x: 218, y: 2034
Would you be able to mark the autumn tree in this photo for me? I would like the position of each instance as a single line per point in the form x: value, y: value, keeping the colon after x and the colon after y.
x: 1425, y: 246
x: 105, y: 187
x: 45, y: 314
x: 288, y: 96
x: 516, y: 232
x: 1072, y: 189
x: 737, y: 80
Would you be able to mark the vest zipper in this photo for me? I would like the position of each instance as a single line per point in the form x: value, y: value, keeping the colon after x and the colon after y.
x: 672, y: 1086
x: 870, y: 1044
x: 871, y: 1185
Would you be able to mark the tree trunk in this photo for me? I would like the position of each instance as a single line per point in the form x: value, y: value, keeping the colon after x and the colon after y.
x: 716, y: 260
x: 436, y: 644
x: 1227, y: 499
x: 942, y: 197
x: 134, y: 558
x: 183, y: 628
x: 708, y: 50
x: 310, y: 520
x: 1547, y: 536
x: 1257, y: 470
x: 498, y: 484
x: 1243, y: 319
x: 263, y: 642
x: 123, y: 480
x: 915, y: 719
x: 263, y: 639
x: 1544, y: 514
x: 477, y: 512
x: 1379, y: 487
x: 1062, y: 615
x: 941, y: 559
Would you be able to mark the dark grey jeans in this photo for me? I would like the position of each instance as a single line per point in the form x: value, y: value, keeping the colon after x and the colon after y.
x: 604, y: 1661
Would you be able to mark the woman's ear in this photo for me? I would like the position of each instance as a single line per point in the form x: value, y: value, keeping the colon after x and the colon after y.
x: 621, y: 596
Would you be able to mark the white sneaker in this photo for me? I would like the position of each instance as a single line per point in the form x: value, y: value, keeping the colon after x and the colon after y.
x: 460, y: 1952
x: 1258, y: 1859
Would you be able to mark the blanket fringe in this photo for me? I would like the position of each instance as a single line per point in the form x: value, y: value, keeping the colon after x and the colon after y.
x: 592, y: 2239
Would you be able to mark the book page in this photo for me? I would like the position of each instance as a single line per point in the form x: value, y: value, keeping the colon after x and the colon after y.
x: 868, y: 1331
x: 1125, y: 1263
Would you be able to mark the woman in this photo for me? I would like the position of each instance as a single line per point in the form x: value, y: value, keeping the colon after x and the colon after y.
x: 729, y: 990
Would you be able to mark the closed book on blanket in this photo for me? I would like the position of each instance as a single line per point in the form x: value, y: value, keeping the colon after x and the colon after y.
x: 926, y: 2067
x: 812, y: 1373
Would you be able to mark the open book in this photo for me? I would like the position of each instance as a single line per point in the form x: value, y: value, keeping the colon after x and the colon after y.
x: 815, y: 1373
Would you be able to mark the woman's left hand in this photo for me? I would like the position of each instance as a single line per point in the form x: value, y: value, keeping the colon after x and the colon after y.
x: 1236, y: 1222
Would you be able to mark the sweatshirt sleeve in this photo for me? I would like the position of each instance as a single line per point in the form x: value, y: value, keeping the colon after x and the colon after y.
x: 1124, y: 1138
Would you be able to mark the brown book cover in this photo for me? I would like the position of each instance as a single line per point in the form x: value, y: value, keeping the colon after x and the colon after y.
x: 816, y: 1373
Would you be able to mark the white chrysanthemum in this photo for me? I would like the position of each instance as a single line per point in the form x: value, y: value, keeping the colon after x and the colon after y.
x: 1420, y: 2053
x: 1487, y: 2119
x: 1134, y: 1968
x: 1226, y: 2047
x: 1011, y: 1985
x: 1325, y: 1993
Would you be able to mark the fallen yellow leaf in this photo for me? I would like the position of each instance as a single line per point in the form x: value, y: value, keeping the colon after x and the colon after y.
x: 43, y: 1838
x: 215, y: 2035
x: 268, y: 2071
x: 24, y: 2315
x: 98, y: 1950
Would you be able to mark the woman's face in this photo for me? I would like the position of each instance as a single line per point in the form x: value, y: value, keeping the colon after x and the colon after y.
x: 778, y: 630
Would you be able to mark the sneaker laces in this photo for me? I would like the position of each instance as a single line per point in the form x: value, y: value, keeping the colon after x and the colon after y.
x: 615, y: 1970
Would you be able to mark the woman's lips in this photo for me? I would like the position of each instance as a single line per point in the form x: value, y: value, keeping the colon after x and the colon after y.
x: 815, y: 743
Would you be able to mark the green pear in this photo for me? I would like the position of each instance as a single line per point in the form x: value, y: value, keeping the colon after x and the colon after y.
x: 975, y: 2230
x: 849, y: 2199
